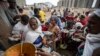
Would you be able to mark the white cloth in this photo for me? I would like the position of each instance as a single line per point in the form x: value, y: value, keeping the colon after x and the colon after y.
x: 77, y: 25
x: 20, y: 27
x: 31, y: 36
x: 63, y: 24
x: 30, y: 14
x: 92, y: 42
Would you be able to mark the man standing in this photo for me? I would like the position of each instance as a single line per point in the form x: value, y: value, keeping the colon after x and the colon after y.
x: 93, y: 36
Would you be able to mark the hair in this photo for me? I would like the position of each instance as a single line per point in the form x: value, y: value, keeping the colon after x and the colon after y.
x: 62, y: 19
x: 55, y: 18
x: 34, y: 19
x: 47, y: 23
x: 87, y: 13
x: 25, y: 18
x: 82, y: 17
x: 78, y: 14
x: 20, y: 9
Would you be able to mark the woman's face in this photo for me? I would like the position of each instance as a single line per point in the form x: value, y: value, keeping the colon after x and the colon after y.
x: 53, y: 21
x: 33, y: 24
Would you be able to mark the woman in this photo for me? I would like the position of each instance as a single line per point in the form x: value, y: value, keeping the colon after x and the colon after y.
x: 54, y: 28
x: 34, y: 35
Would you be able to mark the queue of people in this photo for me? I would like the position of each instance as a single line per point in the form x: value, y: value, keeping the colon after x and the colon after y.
x: 79, y: 33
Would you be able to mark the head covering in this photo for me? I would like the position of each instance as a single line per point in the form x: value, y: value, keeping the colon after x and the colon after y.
x: 96, y: 12
x: 78, y: 24
x: 11, y: 0
x: 38, y: 21
x: 39, y: 29
x: 55, y: 18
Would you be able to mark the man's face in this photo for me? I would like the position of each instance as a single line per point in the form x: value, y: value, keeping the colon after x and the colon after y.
x: 93, y: 25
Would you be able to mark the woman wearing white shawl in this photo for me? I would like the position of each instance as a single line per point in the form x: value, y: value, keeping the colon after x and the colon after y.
x: 93, y: 36
x: 34, y: 35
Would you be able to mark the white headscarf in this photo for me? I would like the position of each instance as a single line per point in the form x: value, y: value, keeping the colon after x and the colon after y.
x: 39, y: 29
x: 97, y: 12
x: 78, y: 24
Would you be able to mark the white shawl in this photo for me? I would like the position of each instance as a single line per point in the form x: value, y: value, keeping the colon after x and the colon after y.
x: 92, y: 42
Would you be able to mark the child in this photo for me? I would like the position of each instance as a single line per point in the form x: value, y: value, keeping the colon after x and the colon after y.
x: 45, y: 27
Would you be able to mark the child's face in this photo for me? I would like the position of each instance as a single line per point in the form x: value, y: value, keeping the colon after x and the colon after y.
x: 47, y: 25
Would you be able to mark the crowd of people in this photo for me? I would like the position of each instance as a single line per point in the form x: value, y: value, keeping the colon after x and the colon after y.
x: 67, y: 31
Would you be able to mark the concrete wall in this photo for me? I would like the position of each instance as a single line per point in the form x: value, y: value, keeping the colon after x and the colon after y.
x: 79, y: 3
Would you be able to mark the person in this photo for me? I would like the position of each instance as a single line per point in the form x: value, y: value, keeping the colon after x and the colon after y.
x: 21, y: 25
x: 21, y: 11
x: 53, y: 25
x: 3, y: 6
x: 31, y: 12
x: 86, y: 17
x: 58, y: 21
x: 70, y: 17
x: 92, y: 39
x: 54, y: 12
x: 34, y: 35
x: 42, y: 15
x: 36, y: 12
x: 45, y: 27
x: 21, y: 28
x: 65, y: 12
x: 54, y: 28
x: 59, y: 13
x: 63, y: 22
x: 82, y: 20
x: 12, y: 12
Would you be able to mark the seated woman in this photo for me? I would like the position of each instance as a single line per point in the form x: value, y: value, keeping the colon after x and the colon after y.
x: 54, y: 28
x: 34, y: 35
x: 20, y: 27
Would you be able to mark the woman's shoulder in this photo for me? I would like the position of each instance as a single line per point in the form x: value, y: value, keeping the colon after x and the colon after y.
x: 32, y: 33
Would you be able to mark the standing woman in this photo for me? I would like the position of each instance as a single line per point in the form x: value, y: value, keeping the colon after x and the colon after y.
x: 34, y: 35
